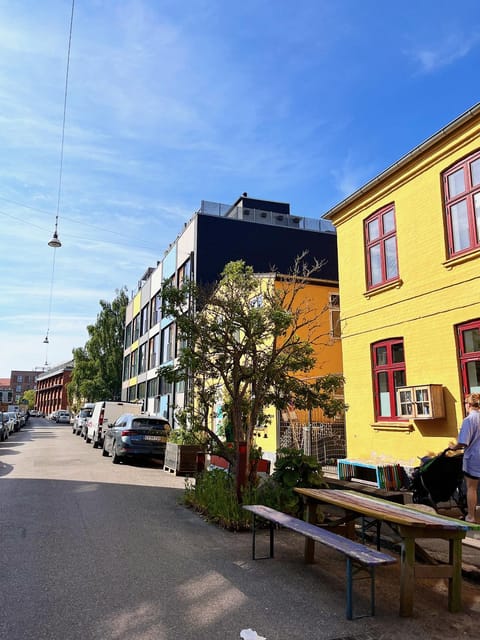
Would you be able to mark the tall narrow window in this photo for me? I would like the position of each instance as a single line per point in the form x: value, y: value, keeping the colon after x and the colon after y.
x: 461, y: 191
x: 468, y: 337
x: 381, y: 247
x: 388, y: 360
x: 334, y: 311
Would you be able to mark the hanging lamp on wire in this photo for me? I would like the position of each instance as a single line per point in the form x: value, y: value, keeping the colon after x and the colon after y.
x: 55, y: 241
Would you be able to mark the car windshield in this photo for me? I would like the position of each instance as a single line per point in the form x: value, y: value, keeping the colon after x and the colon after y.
x: 143, y: 423
x: 86, y: 413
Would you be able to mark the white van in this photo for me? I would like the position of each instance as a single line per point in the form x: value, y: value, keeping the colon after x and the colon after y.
x: 104, y: 414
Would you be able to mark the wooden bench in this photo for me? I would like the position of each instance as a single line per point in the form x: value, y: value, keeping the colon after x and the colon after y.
x: 360, y: 558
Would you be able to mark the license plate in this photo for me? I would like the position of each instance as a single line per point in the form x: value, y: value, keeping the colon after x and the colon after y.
x: 156, y: 438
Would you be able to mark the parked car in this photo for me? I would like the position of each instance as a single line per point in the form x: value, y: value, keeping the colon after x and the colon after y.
x: 134, y: 436
x: 5, y: 425
x: 81, y: 418
x: 62, y: 417
x: 13, y: 422
x: 104, y: 414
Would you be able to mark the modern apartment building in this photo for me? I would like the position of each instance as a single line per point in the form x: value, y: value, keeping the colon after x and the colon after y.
x: 262, y: 233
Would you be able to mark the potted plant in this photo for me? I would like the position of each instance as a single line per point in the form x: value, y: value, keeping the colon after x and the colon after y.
x: 183, y: 447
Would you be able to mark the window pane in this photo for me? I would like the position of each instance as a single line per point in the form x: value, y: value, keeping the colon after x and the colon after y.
x: 375, y: 265
x: 473, y: 376
x: 456, y: 183
x: 471, y: 339
x: 461, y: 238
x: 475, y: 172
x: 373, y: 229
x: 384, y: 395
x: 381, y: 356
x: 388, y: 222
x: 399, y: 378
x: 398, y: 353
x: 391, y: 258
x: 476, y: 205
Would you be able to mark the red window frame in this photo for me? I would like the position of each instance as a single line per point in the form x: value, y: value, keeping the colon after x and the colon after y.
x: 468, y: 195
x: 466, y: 357
x: 379, y: 243
x: 391, y: 368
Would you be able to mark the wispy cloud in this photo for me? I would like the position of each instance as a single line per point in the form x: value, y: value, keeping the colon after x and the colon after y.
x: 451, y: 48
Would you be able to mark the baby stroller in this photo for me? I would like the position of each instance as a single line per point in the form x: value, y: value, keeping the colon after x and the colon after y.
x: 440, y: 480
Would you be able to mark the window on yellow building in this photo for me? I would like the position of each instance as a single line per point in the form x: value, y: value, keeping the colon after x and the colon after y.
x: 334, y: 311
x: 461, y: 191
x: 468, y: 337
x: 381, y: 247
x: 388, y: 362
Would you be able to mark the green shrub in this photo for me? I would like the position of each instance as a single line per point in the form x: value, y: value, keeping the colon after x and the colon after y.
x: 214, y: 494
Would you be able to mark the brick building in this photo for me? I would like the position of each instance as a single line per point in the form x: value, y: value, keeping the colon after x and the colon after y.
x: 52, y: 388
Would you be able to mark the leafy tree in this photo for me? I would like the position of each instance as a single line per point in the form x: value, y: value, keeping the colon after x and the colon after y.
x: 29, y: 397
x: 97, y: 372
x: 254, y: 341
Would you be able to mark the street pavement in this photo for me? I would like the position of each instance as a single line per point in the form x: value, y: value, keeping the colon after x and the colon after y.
x: 95, y: 551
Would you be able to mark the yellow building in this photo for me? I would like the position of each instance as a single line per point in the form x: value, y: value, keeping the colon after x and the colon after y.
x: 409, y: 267
x: 319, y: 298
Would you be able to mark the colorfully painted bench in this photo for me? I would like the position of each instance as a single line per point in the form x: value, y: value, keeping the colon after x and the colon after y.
x: 360, y: 558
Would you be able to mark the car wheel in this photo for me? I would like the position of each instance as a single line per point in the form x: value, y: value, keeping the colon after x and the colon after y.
x: 105, y: 453
x: 87, y: 439
x: 95, y: 443
x: 115, y: 456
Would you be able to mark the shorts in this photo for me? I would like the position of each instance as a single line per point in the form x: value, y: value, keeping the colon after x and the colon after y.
x: 469, y: 475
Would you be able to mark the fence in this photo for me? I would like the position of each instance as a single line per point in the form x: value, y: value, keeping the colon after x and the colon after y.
x: 324, y: 441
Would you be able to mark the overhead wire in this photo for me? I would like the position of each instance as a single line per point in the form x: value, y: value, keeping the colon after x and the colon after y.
x: 60, y: 176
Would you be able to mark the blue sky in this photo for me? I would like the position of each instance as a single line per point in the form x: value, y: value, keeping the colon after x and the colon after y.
x: 170, y: 103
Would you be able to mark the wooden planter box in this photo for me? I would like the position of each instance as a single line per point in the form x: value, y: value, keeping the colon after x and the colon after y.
x: 181, y: 458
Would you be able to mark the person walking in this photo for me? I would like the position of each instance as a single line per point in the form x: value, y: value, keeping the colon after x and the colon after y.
x: 469, y: 440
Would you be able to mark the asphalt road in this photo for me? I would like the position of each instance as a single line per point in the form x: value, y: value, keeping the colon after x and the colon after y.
x: 96, y: 551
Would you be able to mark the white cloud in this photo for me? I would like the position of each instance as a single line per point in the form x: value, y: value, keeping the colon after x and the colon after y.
x: 444, y: 53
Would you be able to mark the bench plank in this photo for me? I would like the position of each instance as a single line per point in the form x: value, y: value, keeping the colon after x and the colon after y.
x: 350, y: 548
x: 364, y: 558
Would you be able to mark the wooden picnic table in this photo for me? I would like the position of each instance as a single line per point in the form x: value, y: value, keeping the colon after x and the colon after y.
x: 411, y: 525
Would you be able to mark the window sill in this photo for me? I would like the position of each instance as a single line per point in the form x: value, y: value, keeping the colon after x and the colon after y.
x: 393, y: 426
x: 396, y: 284
x: 465, y: 257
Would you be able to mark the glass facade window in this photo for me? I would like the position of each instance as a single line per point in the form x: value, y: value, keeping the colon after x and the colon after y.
x: 154, y: 351
x: 184, y: 273
x: 136, y: 328
x: 144, y: 320
x: 155, y: 309
x: 168, y: 343
x: 389, y: 373
x: 128, y: 335
x: 142, y: 358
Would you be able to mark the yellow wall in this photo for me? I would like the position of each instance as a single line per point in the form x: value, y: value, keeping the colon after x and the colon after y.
x: 433, y: 296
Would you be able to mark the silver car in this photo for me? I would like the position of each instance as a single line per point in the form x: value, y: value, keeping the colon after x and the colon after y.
x: 80, y: 422
x: 134, y: 436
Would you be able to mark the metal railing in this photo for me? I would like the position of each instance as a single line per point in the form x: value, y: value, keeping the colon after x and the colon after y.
x: 260, y: 216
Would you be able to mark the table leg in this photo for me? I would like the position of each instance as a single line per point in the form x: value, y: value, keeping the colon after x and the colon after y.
x: 309, y: 543
x: 407, y: 576
x: 455, y: 582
